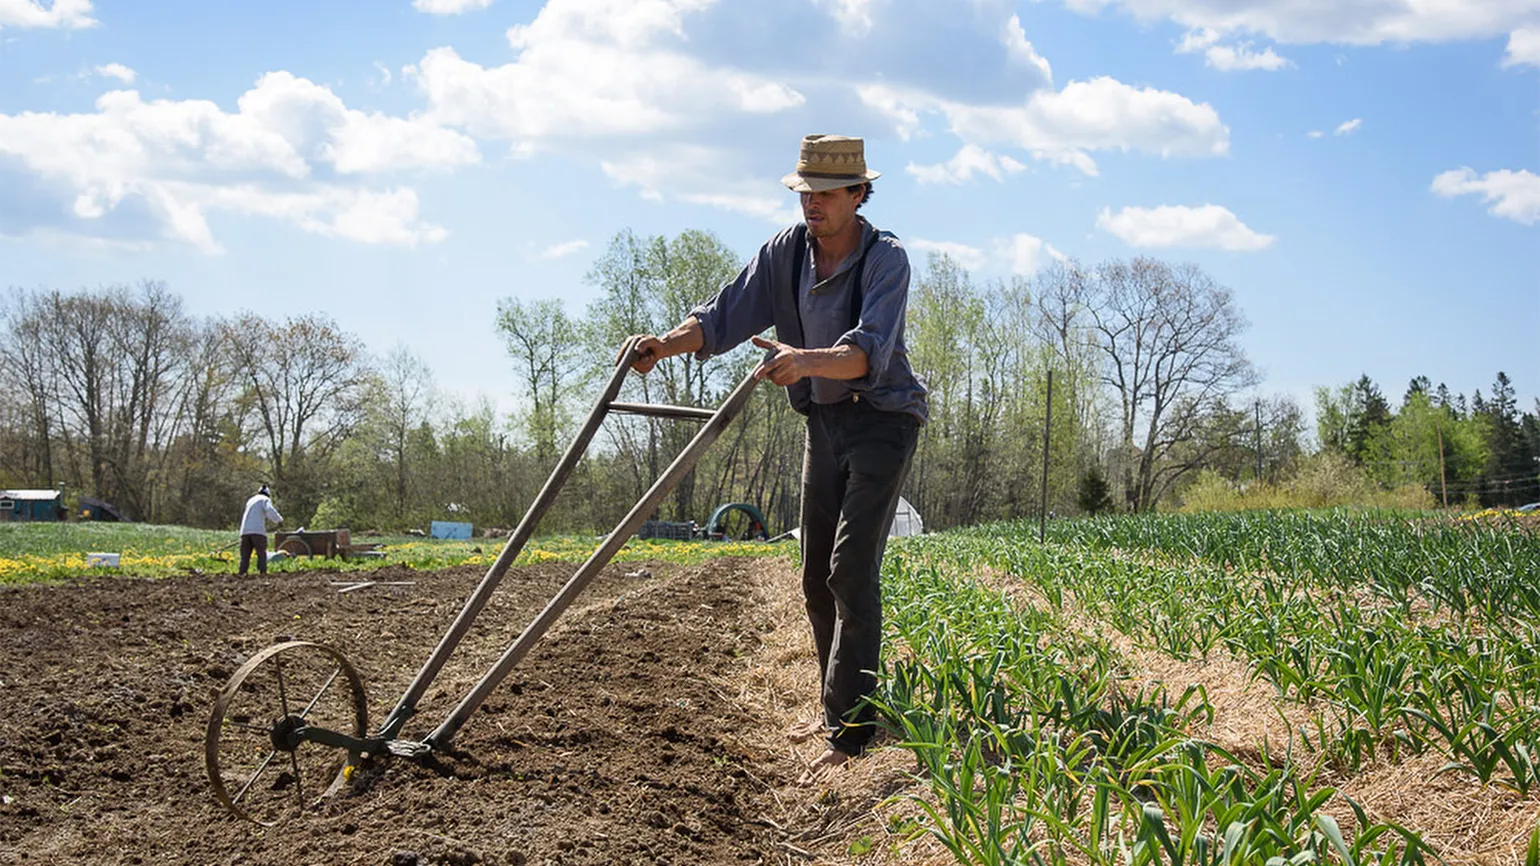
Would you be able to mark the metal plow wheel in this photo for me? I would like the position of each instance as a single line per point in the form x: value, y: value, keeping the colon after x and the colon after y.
x: 260, y: 762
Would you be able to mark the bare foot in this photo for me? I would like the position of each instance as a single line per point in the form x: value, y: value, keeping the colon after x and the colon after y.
x: 823, y: 765
x: 801, y: 732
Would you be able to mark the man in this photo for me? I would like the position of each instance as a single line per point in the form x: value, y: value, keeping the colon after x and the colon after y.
x: 835, y: 288
x: 259, y: 511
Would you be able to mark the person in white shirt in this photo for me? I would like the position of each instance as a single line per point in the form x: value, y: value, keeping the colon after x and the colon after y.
x: 259, y: 511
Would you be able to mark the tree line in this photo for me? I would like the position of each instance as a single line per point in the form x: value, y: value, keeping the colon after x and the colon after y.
x: 119, y: 393
x: 1482, y: 451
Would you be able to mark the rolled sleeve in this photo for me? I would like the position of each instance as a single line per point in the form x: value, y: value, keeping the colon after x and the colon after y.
x: 739, y: 311
x: 884, y: 297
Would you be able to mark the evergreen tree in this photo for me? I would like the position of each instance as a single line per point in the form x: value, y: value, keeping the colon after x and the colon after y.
x: 1095, y: 494
x: 1510, y: 471
x: 1371, y: 415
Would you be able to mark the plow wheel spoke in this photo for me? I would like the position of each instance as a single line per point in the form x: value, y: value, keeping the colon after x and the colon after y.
x: 259, y: 768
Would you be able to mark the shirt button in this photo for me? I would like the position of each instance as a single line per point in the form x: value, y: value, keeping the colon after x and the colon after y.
x: 855, y: 398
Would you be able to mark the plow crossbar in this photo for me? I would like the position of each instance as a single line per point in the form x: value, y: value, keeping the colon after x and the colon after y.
x: 686, y: 413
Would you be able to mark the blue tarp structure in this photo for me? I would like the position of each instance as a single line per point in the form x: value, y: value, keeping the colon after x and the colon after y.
x: 449, y: 529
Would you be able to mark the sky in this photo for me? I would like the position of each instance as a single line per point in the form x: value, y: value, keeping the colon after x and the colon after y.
x: 1364, y: 175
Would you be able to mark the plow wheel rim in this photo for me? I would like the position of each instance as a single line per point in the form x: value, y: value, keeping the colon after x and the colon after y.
x: 290, y: 707
x: 295, y: 547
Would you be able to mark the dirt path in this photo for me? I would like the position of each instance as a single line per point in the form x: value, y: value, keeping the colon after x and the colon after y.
x: 621, y: 739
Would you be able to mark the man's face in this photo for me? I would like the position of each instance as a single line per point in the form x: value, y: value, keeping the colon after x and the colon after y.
x: 830, y: 212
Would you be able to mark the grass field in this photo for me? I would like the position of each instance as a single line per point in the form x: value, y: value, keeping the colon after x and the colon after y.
x: 51, y: 552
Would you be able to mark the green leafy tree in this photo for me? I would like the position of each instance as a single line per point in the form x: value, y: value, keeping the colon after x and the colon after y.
x: 647, y: 286
x: 1425, y: 444
x: 546, y: 346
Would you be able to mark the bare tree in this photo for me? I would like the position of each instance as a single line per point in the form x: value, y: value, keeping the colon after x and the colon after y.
x: 75, y: 338
x: 28, y: 375
x: 1061, y: 296
x: 207, y: 466
x: 1163, y: 342
x: 303, y: 381
x: 151, y: 338
x: 1167, y: 337
x: 407, y: 399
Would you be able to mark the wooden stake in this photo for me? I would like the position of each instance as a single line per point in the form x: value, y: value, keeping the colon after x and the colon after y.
x: 1042, y: 525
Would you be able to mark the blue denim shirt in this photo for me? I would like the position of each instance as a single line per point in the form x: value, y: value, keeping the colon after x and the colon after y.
x: 772, y: 290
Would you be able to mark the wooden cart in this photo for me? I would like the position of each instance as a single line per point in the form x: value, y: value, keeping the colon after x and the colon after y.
x: 322, y: 542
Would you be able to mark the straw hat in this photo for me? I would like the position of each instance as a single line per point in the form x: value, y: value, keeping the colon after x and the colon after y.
x: 829, y: 162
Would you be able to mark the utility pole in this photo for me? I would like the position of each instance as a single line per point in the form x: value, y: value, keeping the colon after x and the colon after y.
x: 1042, y: 522
x: 1443, y: 484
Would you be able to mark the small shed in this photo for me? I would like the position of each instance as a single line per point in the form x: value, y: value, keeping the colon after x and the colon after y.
x: 31, y: 505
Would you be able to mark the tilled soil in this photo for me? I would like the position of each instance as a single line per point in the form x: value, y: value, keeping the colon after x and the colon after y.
x: 618, y: 740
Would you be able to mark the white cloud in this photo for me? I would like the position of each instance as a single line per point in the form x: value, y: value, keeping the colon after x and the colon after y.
x: 380, y: 218
x: 1514, y: 195
x: 118, y: 71
x: 179, y: 160
x: 592, y: 68
x: 777, y: 211
x: 449, y: 7
x: 1229, y: 58
x: 1062, y: 126
x: 566, y: 248
x: 1353, y: 22
x: 971, y: 159
x: 700, y: 175
x: 1315, y: 133
x: 894, y: 105
x: 1019, y: 50
x: 383, y: 77
x: 630, y: 24
x: 362, y: 215
x: 970, y: 258
x: 854, y: 16
x: 1026, y: 253
x: 1348, y: 127
x: 317, y: 125
x: 1523, y: 47
x: 696, y: 174
x: 1197, y: 40
x: 1207, y: 225
x: 71, y: 14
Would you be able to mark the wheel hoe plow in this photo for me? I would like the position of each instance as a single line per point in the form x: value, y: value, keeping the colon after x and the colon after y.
x: 291, y: 726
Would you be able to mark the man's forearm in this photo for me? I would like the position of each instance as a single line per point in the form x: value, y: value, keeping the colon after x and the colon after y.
x: 838, y: 362
x: 688, y: 337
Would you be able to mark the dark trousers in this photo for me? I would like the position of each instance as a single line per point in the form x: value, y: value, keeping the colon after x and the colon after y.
x: 256, y: 541
x: 852, y: 470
